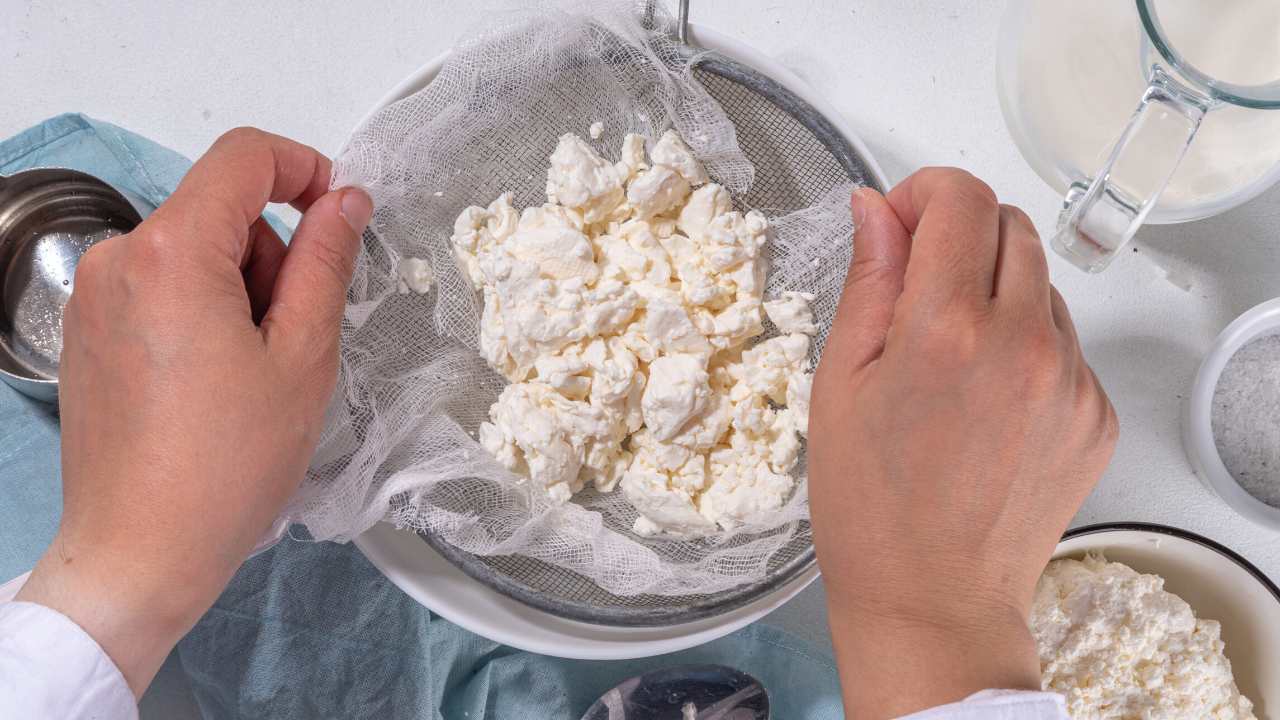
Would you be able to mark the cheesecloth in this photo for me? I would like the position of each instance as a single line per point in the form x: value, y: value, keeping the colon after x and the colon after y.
x: 399, y: 441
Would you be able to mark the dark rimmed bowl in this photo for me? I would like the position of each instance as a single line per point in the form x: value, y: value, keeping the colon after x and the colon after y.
x: 1216, y: 581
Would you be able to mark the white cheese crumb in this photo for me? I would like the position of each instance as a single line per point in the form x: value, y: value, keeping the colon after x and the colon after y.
x: 1117, y: 645
x: 596, y: 130
x: 792, y: 313
x: 677, y: 390
x: 657, y: 190
x: 414, y: 275
x: 581, y: 180
x: 670, y: 150
x: 620, y: 312
x: 633, y: 160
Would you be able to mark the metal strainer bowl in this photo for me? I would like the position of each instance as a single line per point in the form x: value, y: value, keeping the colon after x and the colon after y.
x: 799, y: 154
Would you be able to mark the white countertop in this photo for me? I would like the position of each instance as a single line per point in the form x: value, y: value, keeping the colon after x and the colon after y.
x: 916, y: 78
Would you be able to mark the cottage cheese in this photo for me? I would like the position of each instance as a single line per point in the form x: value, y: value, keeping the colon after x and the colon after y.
x: 1117, y: 645
x: 621, y: 312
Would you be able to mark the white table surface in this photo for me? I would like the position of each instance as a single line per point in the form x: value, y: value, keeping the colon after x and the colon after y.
x: 916, y: 78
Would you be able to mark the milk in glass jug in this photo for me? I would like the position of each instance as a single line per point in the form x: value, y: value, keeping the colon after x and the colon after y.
x: 1140, y: 111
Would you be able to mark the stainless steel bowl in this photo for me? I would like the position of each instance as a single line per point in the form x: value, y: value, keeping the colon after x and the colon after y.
x: 49, y: 217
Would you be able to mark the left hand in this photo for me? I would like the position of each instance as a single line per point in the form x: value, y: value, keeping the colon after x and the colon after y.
x: 199, y: 355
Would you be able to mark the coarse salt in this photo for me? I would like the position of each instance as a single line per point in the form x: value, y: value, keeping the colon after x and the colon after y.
x: 1246, y: 418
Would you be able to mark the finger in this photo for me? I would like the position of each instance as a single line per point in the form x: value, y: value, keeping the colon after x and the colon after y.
x: 954, y: 220
x: 245, y: 169
x: 1022, y: 272
x: 311, y: 288
x: 265, y: 253
x: 881, y: 247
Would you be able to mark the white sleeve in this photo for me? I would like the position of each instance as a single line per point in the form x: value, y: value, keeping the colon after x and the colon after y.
x: 1000, y: 705
x: 51, y: 668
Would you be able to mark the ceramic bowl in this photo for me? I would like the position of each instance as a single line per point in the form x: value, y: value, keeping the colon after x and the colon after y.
x: 1219, y: 585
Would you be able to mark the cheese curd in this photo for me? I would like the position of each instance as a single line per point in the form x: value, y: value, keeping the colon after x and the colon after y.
x: 670, y: 151
x: 414, y: 275
x: 791, y: 313
x: 621, y: 313
x: 676, y: 391
x: 559, y: 443
x: 581, y: 180
x: 1116, y: 644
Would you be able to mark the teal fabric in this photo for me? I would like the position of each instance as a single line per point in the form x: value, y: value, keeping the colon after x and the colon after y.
x: 313, y: 630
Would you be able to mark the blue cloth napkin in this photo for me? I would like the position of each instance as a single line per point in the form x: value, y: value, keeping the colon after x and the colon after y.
x: 313, y: 630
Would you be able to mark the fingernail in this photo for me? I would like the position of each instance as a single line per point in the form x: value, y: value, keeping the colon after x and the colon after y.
x: 356, y: 208
x: 858, y: 203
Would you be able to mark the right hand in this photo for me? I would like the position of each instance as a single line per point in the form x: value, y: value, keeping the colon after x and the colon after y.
x: 955, y: 430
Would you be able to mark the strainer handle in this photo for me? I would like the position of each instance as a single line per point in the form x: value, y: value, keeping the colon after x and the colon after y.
x: 682, y: 23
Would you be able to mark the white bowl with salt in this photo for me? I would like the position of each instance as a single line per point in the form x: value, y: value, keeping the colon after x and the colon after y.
x: 1231, y: 420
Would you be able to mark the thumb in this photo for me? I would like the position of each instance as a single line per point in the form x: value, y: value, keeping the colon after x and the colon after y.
x: 311, y: 290
x: 881, y: 247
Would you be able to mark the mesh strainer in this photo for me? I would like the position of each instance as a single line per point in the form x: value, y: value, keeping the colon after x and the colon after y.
x: 799, y: 155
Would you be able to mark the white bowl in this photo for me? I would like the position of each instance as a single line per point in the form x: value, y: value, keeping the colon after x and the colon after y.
x: 1197, y: 417
x: 1217, y: 583
x: 438, y: 584
x: 427, y: 577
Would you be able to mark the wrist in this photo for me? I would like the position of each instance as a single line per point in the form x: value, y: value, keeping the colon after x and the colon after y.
x: 899, y: 659
x: 130, y: 613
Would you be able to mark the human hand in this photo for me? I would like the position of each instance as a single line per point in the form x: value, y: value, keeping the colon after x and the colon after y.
x: 199, y: 355
x: 955, y: 430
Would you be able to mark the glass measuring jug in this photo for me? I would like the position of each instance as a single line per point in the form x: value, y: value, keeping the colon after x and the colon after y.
x: 1204, y: 137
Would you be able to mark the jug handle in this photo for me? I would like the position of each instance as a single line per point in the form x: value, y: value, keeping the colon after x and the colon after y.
x: 1097, y: 219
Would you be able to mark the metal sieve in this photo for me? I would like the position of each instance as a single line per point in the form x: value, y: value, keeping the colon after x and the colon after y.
x: 799, y: 155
